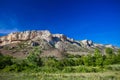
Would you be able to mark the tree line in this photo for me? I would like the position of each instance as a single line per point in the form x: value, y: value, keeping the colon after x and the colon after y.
x: 73, y: 63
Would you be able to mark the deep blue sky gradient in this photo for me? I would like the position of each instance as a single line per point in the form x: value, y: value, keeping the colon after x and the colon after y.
x: 97, y: 20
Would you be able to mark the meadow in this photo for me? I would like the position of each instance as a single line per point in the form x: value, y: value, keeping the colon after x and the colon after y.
x: 109, y: 75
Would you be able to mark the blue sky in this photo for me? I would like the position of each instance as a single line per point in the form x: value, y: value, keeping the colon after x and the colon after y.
x: 97, y: 20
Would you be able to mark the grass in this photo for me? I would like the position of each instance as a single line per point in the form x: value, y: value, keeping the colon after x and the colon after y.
x: 110, y: 75
x: 115, y: 67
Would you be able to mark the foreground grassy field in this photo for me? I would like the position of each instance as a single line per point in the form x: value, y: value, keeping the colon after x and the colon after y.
x: 109, y: 75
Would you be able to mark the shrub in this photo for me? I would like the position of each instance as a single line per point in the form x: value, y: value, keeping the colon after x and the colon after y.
x: 98, y: 59
x: 14, y: 67
x: 48, y: 69
x: 34, y: 57
x: 5, y: 61
x: 118, y: 57
x: 109, y: 51
x: 68, y: 69
x: 51, y: 62
x: 88, y: 60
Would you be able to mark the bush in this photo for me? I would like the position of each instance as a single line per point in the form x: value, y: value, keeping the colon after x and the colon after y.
x: 109, y: 51
x: 34, y: 57
x: 50, y: 62
x: 5, y: 61
x: 14, y: 67
x: 88, y: 60
x: 48, y: 69
x: 17, y: 66
x: 68, y: 69
x: 118, y: 57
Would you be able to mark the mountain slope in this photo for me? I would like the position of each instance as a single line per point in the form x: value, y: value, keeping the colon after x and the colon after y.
x: 51, y: 44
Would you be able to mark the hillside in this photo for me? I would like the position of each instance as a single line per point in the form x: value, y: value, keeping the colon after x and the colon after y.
x: 42, y: 55
x: 19, y: 44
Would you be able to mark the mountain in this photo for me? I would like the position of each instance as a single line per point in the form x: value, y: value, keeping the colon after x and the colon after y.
x: 19, y: 44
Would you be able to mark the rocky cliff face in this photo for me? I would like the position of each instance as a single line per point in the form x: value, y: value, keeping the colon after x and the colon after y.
x: 24, y: 36
x: 47, y: 40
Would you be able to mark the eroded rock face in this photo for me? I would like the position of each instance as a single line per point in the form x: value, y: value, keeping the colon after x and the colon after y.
x: 60, y: 45
x: 109, y: 46
x: 47, y: 40
x: 60, y: 36
x: 24, y: 36
x: 87, y: 43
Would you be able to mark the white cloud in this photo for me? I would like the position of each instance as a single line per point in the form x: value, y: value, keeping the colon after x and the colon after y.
x: 6, y: 31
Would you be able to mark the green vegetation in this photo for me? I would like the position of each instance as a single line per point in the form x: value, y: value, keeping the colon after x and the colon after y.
x: 109, y: 51
x: 34, y: 58
x: 72, y: 63
x: 60, y: 76
x: 91, y: 63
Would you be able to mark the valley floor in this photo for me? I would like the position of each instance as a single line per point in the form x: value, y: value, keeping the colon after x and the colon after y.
x: 108, y: 75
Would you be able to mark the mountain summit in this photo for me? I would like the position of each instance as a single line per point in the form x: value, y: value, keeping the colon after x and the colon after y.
x: 49, y: 43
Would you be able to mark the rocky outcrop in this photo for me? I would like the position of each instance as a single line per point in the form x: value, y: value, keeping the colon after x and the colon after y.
x: 25, y: 36
x: 47, y: 40
x: 60, y: 45
x: 109, y: 46
x: 60, y: 37
x: 87, y: 43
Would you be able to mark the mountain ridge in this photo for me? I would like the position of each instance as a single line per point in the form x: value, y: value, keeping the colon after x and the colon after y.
x: 27, y: 33
x: 56, y: 43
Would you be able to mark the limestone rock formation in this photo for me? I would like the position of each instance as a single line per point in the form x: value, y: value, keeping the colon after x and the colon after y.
x: 24, y: 36
x: 60, y: 36
x: 87, y: 43
x: 48, y: 41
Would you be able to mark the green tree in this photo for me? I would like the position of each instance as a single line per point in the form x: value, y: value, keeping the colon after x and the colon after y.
x: 87, y: 60
x: 111, y: 57
x: 109, y: 51
x: 98, y: 58
x: 118, y: 52
x: 34, y: 57
x: 118, y: 56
